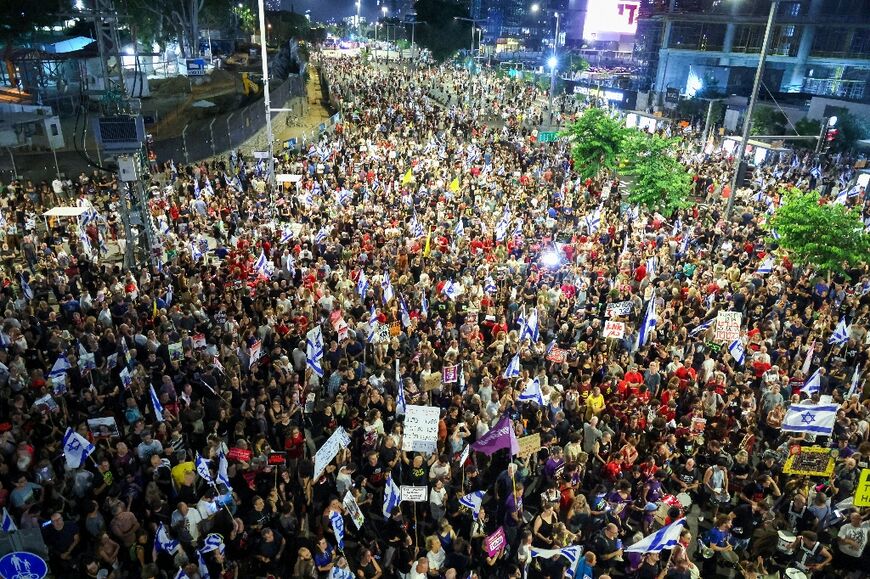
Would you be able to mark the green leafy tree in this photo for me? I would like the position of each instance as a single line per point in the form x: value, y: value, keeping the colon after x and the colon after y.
x: 579, y: 64
x: 439, y: 31
x: 660, y: 181
x: 596, y: 142
x: 767, y: 121
x: 808, y: 128
x: 828, y: 237
x: 851, y: 129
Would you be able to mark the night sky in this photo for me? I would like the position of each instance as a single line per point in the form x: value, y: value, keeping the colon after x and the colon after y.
x: 323, y: 10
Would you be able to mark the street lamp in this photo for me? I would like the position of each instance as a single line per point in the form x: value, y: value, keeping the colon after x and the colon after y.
x: 747, y: 122
x: 474, y: 22
x: 535, y: 8
x: 358, y: 5
x: 553, y: 62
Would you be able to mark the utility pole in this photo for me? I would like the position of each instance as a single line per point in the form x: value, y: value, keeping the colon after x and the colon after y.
x: 554, y: 61
x: 266, y: 102
x: 747, y: 122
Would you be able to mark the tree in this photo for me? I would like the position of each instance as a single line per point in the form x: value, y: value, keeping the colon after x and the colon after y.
x: 661, y: 182
x: 829, y: 237
x: 596, y: 142
x: 767, y: 121
x: 439, y: 30
x: 177, y: 19
x: 851, y: 129
x: 19, y: 20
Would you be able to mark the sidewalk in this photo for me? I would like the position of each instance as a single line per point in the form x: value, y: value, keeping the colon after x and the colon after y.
x: 307, y: 114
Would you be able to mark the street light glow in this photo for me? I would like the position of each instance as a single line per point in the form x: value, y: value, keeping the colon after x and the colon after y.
x: 535, y: 8
x: 552, y: 62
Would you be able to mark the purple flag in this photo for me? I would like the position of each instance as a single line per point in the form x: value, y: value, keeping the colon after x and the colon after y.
x: 501, y: 436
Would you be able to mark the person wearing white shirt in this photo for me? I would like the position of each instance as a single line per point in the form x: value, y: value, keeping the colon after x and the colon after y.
x: 438, y: 500
x: 851, y: 541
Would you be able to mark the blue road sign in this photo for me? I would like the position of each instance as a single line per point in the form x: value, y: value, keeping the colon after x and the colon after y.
x: 21, y: 565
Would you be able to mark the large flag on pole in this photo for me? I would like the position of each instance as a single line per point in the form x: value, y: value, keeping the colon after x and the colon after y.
x: 314, y: 343
x: 76, y: 448
x: 665, y: 538
x: 337, y: 527
x: 155, y: 401
x: 841, y: 333
x: 812, y: 418
x: 202, y: 469
x: 513, y: 369
x: 472, y: 501
x: 501, y: 436
x: 532, y: 392
x: 649, y: 322
x: 392, y: 496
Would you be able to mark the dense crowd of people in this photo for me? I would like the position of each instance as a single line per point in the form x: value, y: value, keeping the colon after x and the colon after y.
x: 163, y: 421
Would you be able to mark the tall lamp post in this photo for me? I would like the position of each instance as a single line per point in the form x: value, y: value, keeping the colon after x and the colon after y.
x: 552, y: 62
x: 474, y: 22
x: 747, y: 122
x: 358, y: 24
x: 266, y: 102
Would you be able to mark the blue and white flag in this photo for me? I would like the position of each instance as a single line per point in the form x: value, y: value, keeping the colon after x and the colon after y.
x: 26, y: 289
x: 550, y: 347
x: 213, y: 542
x: 701, y: 327
x: 314, y: 350
x: 155, y: 402
x: 530, y: 329
x: 678, y: 227
x: 521, y: 318
x: 532, y: 392
x: 665, y: 538
x: 181, y: 575
x: 401, y: 404
x: 223, y: 476
x: 651, y: 266
x: 489, y: 285
x: 853, y: 384
x: 502, y: 226
x: 737, y: 351
x: 766, y: 266
x: 649, y: 322
x: 362, y: 284
x: 472, y: 501
x: 404, y: 314
x: 7, y: 523
x: 261, y: 266
x: 573, y: 554
x: 774, y: 234
x: 286, y: 235
x: 424, y: 304
x: 710, y: 300
x: 195, y: 251
x: 202, y: 469
x: 812, y: 418
x: 592, y: 221
x: 162, y: 542
x: 387, y: 289
x: 416, y: 228
x: 203, y: 568
x: 513, y: 369
x: 320, y: 237
x: 451, y: 289
x: 76, y: 448
x: 61, y: 365
x: 392, y: 496
x: 459, y: 230
x: 812, y: 384
x: 841, y: 333
x: 337, y: 527
x: 841, y: 197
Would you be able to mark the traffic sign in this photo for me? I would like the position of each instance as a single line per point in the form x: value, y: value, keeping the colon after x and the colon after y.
x: 549, y: 137
x: 862, y: 491
x: 22, y: 565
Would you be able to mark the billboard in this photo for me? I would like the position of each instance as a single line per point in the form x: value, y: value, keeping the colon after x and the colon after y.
x: 610, y: 19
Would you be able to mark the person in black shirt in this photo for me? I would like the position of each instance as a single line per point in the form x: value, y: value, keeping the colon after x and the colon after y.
x: 744, y: 519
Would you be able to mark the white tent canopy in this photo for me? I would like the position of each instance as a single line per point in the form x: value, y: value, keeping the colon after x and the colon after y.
x: 65, y: 212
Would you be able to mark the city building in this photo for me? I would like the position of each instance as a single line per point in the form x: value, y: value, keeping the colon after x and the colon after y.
x: 817, y: 47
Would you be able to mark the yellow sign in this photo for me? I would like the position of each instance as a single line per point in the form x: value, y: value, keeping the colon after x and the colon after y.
x: 810, y: 461
x: 862, y: 491
x: 529, y: 445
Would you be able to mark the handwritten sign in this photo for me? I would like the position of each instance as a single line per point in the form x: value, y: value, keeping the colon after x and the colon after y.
x: 727, y: 327
x: 330, y: 448
x: 614, y: 330
x: 529, y: 445
x: 353, y: 510
x: 413, y: 494
x: 421, y: 428
x: 240, y: 454
x: 862, y: 491
x: 557, y: 355
x: 495, y: 542
x: 430, y: 382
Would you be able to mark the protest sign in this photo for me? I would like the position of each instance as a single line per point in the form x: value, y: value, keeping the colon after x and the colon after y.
x: 421, y: 428
x: 353, y: 510
x: 176, y: 351
x: 103, y: 427
x: 727, y: 327
x: 327, y: 452
x: 413, y: 494
x: 557, y: 355
x: 529, y: 445
x: 614, y: 329
x: 495, y: 542
x: 616, y: 309
x: 450, y: 374
x: 240, y: 454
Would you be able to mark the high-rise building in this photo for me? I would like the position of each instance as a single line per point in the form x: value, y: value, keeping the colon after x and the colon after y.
x: 817, y: 47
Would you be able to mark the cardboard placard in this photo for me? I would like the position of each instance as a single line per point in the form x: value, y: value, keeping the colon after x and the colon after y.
x: 330, y: 448
x: 529, y: 445
x: 618, y: 309
x: 450, y: 374
x: 176, y: 351
x: 810, y: 461
x: 431, y: 382
x: 862, y: 490
x: 421, y: 428
x: 353, y: 510
x: 727, y: 327
x: 614, y: 330
x: 414, y: 494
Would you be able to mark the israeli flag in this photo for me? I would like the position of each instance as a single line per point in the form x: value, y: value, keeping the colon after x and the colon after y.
x: 416, y: 228
x: 337, y: 527
x: 320, y: 237
x: 489, y: 285
x: 76, y: 448
x: 532, y: 392
x: 841, y: 333
x: 155, y: 401
x: 701, y: 327
x: 774, y: 234
x: 223, y: 476
x: 665, y: 538
x: 530, y: 330
x: 314, y: 350
x: 502, y: 226
x: 195, y: 251
x: 404, y: 314
x: 841, y: 197
x: 203, y: 568
x: 424, y: 304
x: 593, y: 221
x: 678, y: 227
x: 854, y: 191
x: 392, y: 496
x: 162, y: 542
x: 649, y: 322
x: 261, y: 265
x: 61, y: 365
x: 459, y: 230
x: 169, y: 295
x: 387, y: 288
x: 7, y: 524
x: 472, y: 501
x: 362, y: 284
x: 513, y: 369
x: 766, y: 266
x: 572, y: 554
x: 550, y: 347
x: 812, y: 418
x: 451, y: 290
x: 521, y: 318
x: 202, y: 469
x: 286, y: 235
x: 738, y: 352
x: 401, y: 403
x: 26, y: 290
x: 812, y: 384
x: 651, y: 266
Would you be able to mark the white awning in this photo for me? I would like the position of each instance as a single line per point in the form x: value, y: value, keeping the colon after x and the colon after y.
x: 65, y: 212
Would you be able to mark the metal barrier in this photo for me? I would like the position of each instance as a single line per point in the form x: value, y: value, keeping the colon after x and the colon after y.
x: 207, y: 138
